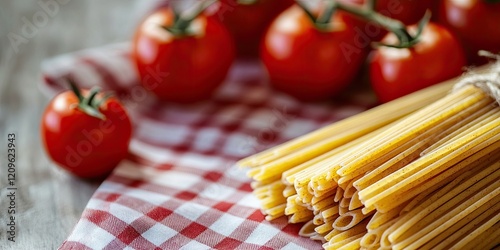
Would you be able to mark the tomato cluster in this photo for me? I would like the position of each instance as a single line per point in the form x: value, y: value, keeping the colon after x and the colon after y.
x: 311, y: 54
x: 308, y: 61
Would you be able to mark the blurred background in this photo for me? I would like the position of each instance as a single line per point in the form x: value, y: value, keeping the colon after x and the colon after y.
x: 49, y: 202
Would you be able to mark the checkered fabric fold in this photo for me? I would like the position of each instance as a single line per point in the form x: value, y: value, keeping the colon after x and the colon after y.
x: 178, y: 189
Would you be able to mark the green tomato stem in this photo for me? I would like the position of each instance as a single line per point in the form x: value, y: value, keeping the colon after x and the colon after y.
x: 181, y: 23
x: 369, y: 13
x: 371, y: 4
x: 88, y: 104
x: 247, y: 2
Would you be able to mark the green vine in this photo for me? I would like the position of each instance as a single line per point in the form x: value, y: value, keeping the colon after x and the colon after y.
x: 368, y: 12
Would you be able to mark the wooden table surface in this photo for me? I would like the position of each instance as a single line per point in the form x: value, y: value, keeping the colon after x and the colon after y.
x: 49, y: 201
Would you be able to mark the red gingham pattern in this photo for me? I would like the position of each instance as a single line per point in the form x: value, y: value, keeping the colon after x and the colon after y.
x: 178, y: 189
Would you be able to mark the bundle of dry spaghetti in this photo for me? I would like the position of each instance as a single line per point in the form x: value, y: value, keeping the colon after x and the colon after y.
x: 418, y: 172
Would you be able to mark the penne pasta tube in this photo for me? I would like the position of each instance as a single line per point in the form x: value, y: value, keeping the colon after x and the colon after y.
x: 330, y: 213
x: 289, y: 191
x: 332, y: 234
x: 339, y: 194
x: 275, y: 212
x: 301, y: 216
x: 345, y: 234
x: 318, y: 237
x: 355, y: 202
x: 272, y: 201
x: 324, y: 204
x: 349, y: 220
x: 350, y: 190
x: 373, y: 237
x: 344, y: 203
x: 318, y: 219
x: 352, y: 245
x: 324, y: 229
x: 307, y: 230
x: 380, y: 218
x: 343, y: 210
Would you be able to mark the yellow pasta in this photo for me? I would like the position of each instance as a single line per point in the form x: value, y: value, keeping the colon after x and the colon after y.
x: 413, y: 173
x: 324, y: 229
x: 301, y: 216
x: 455, y: 215
x: 307, y: 230
x: 462, y: 228
x: 355, y: 202
x: 346, y: 242
x: 372, y: 238
x: 441, y: 197
x: 488, y: 239
x: 349, y: 220
x: 469, y: 121
x: 392, y: 111
x: 275, y: 212
x: 476, y: 200
x: 380, y: 218
x: 341, y: 235
x: 331, y: 212
x: 431, y: 184
x: 431, y: 163
x: 411, y: 130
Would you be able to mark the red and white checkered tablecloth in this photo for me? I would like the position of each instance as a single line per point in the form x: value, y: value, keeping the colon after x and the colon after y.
x: 178, y: 189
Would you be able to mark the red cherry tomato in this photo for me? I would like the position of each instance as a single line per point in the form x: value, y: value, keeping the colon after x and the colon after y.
x: 182, y: 68
x: 476, y: 23
x: 397, y: 72
x: 307, y: 63
x: 247, y: 22
x: 82, y: 144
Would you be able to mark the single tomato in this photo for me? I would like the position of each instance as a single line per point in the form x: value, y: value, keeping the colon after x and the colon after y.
x: 182, y: 64
x: 395, y: 72
x: 247, y: 20
x: 86, y: 136
x: 476, y: 23
x: 309, y: 63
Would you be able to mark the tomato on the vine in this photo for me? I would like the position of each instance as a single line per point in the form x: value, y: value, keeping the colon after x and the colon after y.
x: 476, y: 23
x: 395, y: 72
x: 86, y: 133
x: 406, y: 11
x: 247, y: 21
x: 310, y: 63
x: 182, y: 60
